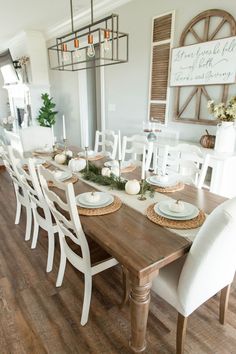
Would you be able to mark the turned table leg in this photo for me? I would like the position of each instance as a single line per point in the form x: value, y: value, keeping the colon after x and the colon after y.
x: 139, y: 307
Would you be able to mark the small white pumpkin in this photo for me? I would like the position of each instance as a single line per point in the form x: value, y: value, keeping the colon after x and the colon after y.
x: 115, y: 171
x: 69, y: 153
x: 132, y: 187
x: 77, y: 165
x: 93, y: 197
x: 60, y: 158
x: 106, y: 172
x: 176, y: 206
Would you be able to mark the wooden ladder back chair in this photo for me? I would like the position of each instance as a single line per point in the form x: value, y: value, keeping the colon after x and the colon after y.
x: 11, y: 161
x: 67, y: 218
x: 38, y: 204
x: 106, y: 141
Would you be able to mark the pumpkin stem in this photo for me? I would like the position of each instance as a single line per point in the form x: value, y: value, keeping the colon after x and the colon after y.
x: 207, y: 132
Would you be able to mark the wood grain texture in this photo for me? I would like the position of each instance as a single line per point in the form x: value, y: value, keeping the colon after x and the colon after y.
x: 36, y: 317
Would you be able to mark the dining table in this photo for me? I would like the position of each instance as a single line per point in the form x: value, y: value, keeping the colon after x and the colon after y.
x: 142, y: 247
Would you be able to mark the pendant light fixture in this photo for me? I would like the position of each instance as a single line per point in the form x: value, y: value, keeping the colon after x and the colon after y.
x: 100, y: 43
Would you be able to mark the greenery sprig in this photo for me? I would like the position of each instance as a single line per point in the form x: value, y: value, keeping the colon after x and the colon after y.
x: 94, y: 174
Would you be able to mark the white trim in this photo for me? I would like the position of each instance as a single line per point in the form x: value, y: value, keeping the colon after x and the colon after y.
x: 158, y: 101
x: 166, y: 41
x: 168, y: 86
x: 82, y: 18
x: 83, y: 105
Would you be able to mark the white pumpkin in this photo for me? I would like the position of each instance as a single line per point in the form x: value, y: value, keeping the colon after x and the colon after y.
x: 115, y: 171
x: 106, y: 172
x: 93, y: 197
x: 69, y: 153
x: 60, y: 158
x: 176, y: 206
x: 132, y: 187
x: 77, y: 165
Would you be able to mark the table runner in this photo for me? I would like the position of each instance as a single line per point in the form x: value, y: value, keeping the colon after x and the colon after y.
x: 133, y: 202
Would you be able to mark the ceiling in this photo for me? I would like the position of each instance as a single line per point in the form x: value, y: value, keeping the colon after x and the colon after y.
x: 44, y: 15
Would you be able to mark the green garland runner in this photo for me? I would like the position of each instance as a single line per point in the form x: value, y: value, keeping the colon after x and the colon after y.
x: 94, y: 174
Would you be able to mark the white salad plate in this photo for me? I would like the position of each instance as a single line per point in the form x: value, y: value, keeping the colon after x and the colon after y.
x: 62, y: 175
x: 189, y: 209
x: 36, y: 161
x: 104, y: 200
x: 43, y: 151
x: 172, y: 181
x: 91, y: 153
x: 171, y: 217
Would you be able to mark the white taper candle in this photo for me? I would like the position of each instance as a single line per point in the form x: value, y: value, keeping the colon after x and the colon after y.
x: 64, y: 127
x: 119, y: 146
x: 143, y: 163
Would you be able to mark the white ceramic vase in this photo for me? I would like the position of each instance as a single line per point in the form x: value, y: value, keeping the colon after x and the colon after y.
x: 225, y: 137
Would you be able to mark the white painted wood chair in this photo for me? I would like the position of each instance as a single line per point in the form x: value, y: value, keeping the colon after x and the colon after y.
x: 70, y: 229
x: 132, y: 148
x: 208, y: 268
x: 106, y: 141
x: 22, y: 198
x: 36, y: 137
x: 39, y: 204
x: 182, y: 160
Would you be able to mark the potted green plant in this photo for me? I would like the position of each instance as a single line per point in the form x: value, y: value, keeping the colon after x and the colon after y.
x: 47, y: 115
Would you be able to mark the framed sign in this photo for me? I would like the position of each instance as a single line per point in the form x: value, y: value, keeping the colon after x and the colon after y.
x: 206, y: 63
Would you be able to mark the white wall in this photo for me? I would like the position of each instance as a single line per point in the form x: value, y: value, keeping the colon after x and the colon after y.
x: 127, y: 85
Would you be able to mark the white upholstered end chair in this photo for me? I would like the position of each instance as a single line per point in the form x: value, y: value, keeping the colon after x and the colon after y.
x: 208, y: 268
x: 71, y: 231
x: 36, y: 137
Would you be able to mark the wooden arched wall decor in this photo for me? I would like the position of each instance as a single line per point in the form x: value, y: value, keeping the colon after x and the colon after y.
x: 211, y: 23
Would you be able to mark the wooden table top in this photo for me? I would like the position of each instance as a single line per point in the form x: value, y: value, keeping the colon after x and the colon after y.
x: 136, y: 242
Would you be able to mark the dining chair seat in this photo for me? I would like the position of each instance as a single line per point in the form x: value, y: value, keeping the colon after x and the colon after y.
x: 208, y: 268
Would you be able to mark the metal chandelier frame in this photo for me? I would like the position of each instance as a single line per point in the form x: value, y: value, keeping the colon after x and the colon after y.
x: 70, y: 51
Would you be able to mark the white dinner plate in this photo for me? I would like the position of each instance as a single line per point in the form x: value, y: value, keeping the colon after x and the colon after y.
x: 172, y: 181
x: 105, y: 200
x: 164, y: 207
x: 62, y: 175
x: 189, y: 217
x: 91, y: 153
x: 43, y: 151
x: 36, y: 161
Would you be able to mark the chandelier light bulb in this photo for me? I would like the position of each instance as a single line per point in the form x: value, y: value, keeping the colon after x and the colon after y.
x: 77, y: 52
x: 65, y: 54
x: 91, y: 50
x: 107, y: 42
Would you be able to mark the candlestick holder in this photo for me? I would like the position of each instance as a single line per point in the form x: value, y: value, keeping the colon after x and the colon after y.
x: 86, y: 158
x: 142, y: 196
x: 65, y: 144
x: 119, y: 168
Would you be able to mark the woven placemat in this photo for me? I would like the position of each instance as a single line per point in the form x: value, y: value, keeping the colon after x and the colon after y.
x: 45, y: 164
x: 175, y: 224
x: 178, y: 187
x: 128, y: 169
x: 73, y: 180
x: 101, y: 211
x: 35, y: 153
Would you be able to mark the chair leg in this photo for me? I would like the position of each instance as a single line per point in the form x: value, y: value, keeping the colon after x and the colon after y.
x: 224, y: 300
x: 28, y: 223
x: 181, y: 333
x: 18, y: 211
x: 35, y: 234
x: 126, y: 287
x: 87, y: 299
x: 51, y: 248
x: 62, y: 268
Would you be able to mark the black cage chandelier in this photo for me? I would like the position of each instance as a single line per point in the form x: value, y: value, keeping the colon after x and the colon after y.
x: 99, y: 43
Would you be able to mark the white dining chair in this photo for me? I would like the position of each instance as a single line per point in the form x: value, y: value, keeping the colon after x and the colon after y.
x: 70, y: 230
x: 41, y: 213
x: 183, y: 161
x: 36, y: 137
x: 132, y: 148
x: 208, y: 268
x: 106, y: 141
x: 11, y: 161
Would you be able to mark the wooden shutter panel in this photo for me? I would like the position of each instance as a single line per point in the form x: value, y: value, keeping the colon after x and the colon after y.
x: 162, y: 28
x: 160, y: 68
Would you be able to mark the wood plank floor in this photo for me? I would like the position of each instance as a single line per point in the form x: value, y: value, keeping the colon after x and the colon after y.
x: 37, y: 317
